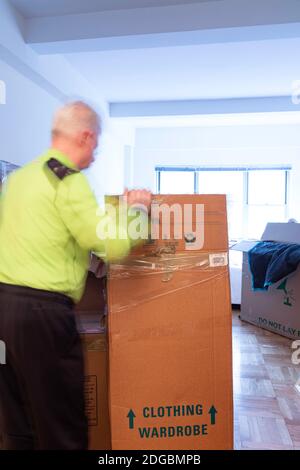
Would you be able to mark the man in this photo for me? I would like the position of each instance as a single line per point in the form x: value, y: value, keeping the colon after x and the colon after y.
x: 48, y: 226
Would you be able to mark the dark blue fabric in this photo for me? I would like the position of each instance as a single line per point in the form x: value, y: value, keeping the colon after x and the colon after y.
x: 271, y: 261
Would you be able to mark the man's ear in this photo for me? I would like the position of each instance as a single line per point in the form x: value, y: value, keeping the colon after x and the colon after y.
x: 84, y: 137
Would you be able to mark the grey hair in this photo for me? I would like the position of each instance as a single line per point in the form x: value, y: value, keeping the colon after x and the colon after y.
x: 75, y: 117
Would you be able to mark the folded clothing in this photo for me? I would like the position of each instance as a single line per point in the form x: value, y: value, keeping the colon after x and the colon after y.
x: 270, y: 262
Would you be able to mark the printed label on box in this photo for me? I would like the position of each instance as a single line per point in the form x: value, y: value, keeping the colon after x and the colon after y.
x: 218, y: 259
x: 154, y: 414
x: 90, y: 392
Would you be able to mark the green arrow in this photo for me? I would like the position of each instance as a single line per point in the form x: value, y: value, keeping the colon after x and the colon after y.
x: 212, y: 413
x: 131, y: 417
x: 282, y: 286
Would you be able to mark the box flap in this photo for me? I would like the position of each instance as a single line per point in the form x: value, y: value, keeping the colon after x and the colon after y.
x: 282, y: 232
x: 244, y: 245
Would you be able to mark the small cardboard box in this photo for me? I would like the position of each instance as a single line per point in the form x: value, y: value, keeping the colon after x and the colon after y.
x: 96, y: 389
x: 196, y: 223
x: 276, y: 309
x: 197, y: 220
x: 170, y: 364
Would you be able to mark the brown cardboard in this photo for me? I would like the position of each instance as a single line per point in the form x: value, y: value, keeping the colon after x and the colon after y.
x: 170, y: 344
x: 93, y: 297
x: 276, y: 309
x: 214, y: 224
x: 96, y: 389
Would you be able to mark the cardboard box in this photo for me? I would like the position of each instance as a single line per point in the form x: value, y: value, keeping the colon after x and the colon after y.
x: 93, y: 299
x: 276, y: 309
x: 200, y: 221
x: 170, y: 352
x: 195, y: 218
x: 96, y: 389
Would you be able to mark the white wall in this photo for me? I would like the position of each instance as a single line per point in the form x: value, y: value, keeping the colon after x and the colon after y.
x: 25, y: 118
x: 109, y: 172
x: 222, y: 145
x: 106, y: 175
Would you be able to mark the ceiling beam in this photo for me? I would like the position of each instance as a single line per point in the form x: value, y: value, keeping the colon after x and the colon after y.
x: 204, y: 107
x: 229, y: 20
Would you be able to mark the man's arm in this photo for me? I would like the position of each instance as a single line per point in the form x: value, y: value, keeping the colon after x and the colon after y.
x: 94, y: 229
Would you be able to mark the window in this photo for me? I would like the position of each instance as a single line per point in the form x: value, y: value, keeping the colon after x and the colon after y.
x: 230, y: 183
x: 267, y: 199
x: 180, y: 182
x: 255, y: 196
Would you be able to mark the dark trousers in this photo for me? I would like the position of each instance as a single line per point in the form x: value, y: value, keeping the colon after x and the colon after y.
x: 41, y: 384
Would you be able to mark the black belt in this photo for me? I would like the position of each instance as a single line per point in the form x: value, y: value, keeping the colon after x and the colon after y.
x: 40, y: 294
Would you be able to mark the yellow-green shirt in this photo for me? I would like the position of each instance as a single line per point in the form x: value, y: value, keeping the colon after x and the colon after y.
x: 48, y: 227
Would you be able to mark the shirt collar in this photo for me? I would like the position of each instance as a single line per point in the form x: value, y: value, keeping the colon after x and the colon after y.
x: 61, y: 157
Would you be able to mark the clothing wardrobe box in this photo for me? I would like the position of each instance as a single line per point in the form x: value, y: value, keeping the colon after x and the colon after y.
x: 169, y: 334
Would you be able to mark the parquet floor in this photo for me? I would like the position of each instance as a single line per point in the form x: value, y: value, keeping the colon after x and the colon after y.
x: 267, y: 404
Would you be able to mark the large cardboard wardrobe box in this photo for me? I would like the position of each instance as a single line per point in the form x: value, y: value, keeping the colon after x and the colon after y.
x: 276, y: 309
x: 170, y: 358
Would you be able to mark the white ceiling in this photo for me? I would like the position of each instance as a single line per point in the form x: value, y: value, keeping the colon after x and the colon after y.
x: 230, y: 59
x: 40, y: 8
x: 245, y: 69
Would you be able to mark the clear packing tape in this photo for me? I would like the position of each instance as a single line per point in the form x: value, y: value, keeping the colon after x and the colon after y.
x: 141, y: 279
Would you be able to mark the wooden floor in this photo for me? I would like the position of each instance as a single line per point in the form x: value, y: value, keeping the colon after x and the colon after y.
x: 267, y: 404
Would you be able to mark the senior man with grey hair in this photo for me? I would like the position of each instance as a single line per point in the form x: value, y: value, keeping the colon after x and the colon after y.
x: 49, y: 218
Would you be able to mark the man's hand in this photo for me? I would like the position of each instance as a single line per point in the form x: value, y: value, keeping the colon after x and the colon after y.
x: 138, y: 198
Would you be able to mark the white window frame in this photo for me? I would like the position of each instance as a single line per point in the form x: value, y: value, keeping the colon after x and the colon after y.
x: 245, y: 169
